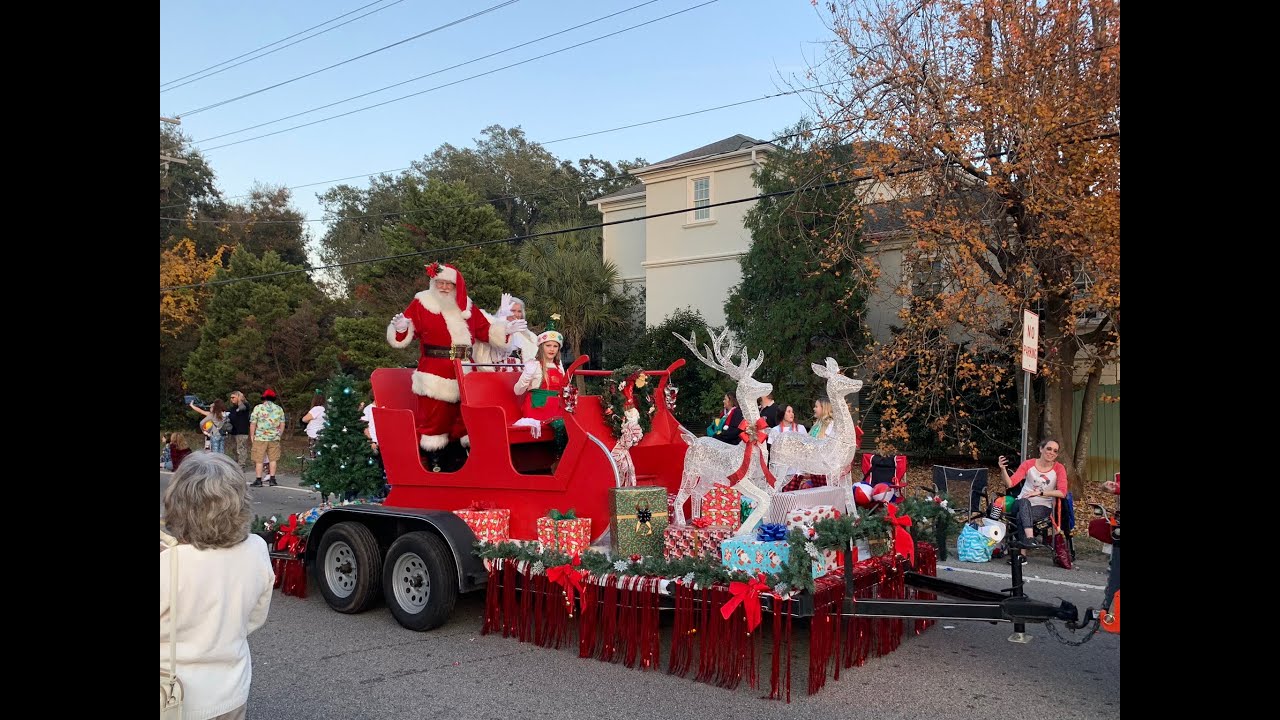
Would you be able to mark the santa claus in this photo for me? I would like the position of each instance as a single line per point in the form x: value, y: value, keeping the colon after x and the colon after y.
x: 442, y: 319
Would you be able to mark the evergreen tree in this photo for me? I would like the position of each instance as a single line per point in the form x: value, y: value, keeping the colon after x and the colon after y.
x: 345, y: 464
x: 797, y: 302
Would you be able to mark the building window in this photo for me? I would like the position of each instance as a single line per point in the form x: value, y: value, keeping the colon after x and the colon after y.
x: 701, y: 198
x: 927, y: 276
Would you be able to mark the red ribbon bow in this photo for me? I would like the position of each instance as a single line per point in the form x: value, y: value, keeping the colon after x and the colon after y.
x: 701, y: 522
x: 570, y: 578
x: 902, y: 542
x: 289, y: 539
x: 753, y: 440
x: 746, y: 594
x: 482, y: 505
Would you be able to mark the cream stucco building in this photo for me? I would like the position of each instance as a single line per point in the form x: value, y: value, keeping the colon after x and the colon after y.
x: 687, y: 258
x: 690, y: 258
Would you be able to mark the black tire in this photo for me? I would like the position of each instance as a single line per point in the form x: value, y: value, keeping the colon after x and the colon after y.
x: 348, y: 566
x: 420, y: 581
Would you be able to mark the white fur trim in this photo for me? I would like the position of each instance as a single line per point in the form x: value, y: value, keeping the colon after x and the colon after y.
x: 448, y: 275
x: 459, y: 333
x: 434, y: 386
x: 498, y: 334
x: 433, y: 442
x: 391, y: 336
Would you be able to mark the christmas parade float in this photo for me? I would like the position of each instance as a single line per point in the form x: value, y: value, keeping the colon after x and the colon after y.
x: 591, y: 546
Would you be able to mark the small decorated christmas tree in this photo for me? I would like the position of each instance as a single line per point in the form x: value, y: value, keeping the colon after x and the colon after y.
x: 345, y: 463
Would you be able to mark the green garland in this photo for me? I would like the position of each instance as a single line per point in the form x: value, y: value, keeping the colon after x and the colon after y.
x: 614, y: 402
x: 797, y: 574
x: 704, y: 571
x: 929, y: 519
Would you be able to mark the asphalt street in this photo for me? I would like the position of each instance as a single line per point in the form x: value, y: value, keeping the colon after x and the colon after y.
x: 311, y: 662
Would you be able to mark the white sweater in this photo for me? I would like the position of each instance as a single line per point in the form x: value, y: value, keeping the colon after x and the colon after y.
x: 223, y: 595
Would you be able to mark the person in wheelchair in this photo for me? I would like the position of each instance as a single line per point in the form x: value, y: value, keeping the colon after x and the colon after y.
x: 1044, y: 481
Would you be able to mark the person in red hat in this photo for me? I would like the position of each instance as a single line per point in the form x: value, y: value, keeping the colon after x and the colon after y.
x: 446, y: 325
x: 266, y: 429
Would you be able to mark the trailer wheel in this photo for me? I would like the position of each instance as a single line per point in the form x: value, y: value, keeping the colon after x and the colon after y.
x: 419, y: 581
x: 347, y: 567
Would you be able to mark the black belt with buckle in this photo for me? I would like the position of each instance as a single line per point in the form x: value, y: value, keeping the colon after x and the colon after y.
x: 448, y: 352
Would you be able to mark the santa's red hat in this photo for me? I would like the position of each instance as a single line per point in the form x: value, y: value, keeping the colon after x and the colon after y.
x: 448, y: 273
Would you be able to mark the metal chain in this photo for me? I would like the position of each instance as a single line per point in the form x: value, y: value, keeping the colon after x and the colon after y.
x: 1097, y: 623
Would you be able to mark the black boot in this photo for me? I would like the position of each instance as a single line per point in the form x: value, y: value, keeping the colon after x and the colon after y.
x: 257, y: 482
x: 272, y: 481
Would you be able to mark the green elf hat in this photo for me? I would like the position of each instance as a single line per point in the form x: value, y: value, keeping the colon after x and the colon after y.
x: 551, y: 333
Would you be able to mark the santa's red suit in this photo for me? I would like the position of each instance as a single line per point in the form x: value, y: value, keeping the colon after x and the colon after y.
x: 443, y: 324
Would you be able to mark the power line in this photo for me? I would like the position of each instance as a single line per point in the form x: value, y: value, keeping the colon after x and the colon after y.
x: 547, y: 233
x: 482, y: 243
x: 537, y: 192
x: 557, y: 140
x: 282, y: 47
x: 421, y: 77
x: 456, y: 82
x: 352, y: 59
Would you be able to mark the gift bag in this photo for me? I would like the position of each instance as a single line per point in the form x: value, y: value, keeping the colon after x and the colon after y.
x: 972, y: 546
x: 1061, y: 553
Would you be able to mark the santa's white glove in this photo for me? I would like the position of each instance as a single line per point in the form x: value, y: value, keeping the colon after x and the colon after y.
x: 516, y: 326
x: 400, y: 323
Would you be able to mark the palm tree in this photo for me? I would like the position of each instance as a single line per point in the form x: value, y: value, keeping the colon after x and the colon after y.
x: 571, y: 278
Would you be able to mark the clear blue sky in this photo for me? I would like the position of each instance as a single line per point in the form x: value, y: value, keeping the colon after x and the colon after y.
x: 725, y: 52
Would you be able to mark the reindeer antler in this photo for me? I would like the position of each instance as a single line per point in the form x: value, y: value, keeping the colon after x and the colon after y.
x: 718, y: 355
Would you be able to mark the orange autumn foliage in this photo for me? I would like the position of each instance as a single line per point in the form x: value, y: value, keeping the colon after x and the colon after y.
x: 181, y: 265
x: 991, y: 130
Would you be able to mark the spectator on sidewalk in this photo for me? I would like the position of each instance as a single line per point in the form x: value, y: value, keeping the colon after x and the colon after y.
x: 239, y: 419
x: 1113, y: 578
x: 178, y: 449
x: 1046, y: 483
x: 223, y: 589
x: 211, y: 426
x: 315, y: 423
x: 266, y: 427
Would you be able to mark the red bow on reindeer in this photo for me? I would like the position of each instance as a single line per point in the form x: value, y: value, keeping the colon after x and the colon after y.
x: 289, y: 539
x: 746, y: 594
x: 902, y: 542
x: 753, y: 440
x: 569, y: 577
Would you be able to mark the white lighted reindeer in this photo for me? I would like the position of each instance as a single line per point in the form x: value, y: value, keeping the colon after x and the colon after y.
x: 713, y: 460
x: 831, y: 455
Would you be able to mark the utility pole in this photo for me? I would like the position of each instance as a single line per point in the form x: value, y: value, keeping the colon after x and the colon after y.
x: 166, y: 159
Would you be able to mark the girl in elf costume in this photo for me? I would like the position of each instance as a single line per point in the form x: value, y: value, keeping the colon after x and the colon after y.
x: 541, y: 382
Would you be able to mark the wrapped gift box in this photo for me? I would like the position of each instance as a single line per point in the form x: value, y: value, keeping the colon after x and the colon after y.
x: 638, y: 518
x: 722, y: 505
x: 752, y: 556
x: 568, y: 536
x: 749, y: 555
x: 805, y: 518
x: 491, y: 525
x: 691, y: 541
x: 784, y: 502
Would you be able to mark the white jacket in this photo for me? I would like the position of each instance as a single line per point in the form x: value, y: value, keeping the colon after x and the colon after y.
x: 223, y: 595
x: 532, y: 375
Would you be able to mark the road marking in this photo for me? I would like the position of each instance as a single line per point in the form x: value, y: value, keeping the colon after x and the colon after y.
x: 1083, y: 586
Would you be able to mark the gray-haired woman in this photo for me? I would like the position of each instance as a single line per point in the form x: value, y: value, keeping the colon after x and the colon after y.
x: 224, y: 585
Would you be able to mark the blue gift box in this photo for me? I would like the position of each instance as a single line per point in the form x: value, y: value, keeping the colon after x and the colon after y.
x: 749, y: 555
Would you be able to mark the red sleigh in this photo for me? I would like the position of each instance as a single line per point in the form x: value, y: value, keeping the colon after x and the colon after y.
x: 504, y: 461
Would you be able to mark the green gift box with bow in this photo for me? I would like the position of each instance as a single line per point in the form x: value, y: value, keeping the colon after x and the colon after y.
x: 637, y: 520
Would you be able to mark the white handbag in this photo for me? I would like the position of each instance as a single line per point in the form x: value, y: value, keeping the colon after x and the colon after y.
x: 170, y: 685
